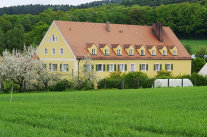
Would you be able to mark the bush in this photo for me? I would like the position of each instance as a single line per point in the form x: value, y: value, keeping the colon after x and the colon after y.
x: 7, y: 86
x: 110, y: 83
x: 197, y: 64
x: 82, y: 84
x: 164, y: 74
x: 59, y: 86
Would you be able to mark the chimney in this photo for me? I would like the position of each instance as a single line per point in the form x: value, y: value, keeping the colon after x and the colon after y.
x: 108, y: 26
x: 157, y: 29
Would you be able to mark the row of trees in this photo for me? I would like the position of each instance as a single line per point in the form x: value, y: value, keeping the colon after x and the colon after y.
x: 187, y: 20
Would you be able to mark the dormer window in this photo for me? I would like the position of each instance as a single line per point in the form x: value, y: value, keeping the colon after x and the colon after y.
x: 174, y: 53
x: 130, y: 52
x: 106, y: 52
x: 142, y: 52
x: 118, y: 52
x: 153, y: 53
x: 93, y: 51
x: 164, y: 53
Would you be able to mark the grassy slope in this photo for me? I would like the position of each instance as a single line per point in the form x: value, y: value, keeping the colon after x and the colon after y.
x: 143, y: 112
x: 195, y: 44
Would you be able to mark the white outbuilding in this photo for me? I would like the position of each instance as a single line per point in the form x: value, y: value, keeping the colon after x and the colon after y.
x: 172, y: 83
x: 203, y: 70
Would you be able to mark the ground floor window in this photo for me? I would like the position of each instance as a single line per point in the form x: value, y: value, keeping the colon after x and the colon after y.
x: 157, y: 67
x: 64, y: 67
x: 132, y: 67
x: 169, y: 67
x: 53, y: 67
x: 122, y: 67
x: 143, y: 67
x: 111, y: 67
x: 100, y: 67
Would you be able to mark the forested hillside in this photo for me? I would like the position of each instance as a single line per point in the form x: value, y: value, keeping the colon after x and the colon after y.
x: 187, y: 20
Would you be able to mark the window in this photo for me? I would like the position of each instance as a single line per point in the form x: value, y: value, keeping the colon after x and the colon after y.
x: 157, y: 67
x: 131, y: 52
x: 174, y: 53
x: 93, y: 51
x: 106, y: 52
x: 100, y: 67
x: 53, y: 38
x: 122, y: 67
x: 118, y: 52
x: 164, y: 53
x: 46, y: 51
x: 143, y: 67
x: 132, y: 67
x: 142, y: 52
x: 153, y: 53
x: 53, y: 67
x: 53, y: 51
x: 169, y: 67
x: 111, y: 68
x: 61, y: 51
x: 64, y: 67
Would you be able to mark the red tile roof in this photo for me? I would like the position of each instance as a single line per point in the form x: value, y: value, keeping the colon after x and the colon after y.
x: 78, y: 34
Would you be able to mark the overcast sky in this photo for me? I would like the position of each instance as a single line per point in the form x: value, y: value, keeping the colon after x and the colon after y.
x: 6, y: 3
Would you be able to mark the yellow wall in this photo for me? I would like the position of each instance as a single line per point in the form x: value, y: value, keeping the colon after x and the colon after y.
x: 66, y: 58
x: 180, y: 67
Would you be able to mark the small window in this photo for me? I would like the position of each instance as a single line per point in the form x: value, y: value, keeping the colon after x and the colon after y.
x: 157, y: 67
x: 53, y: 67
x: 142, y: 52
x: 53, y: 51
x: 46, y: 51
x: 164, y: 53
x: 93, y: 51
x: 118, y: 52
x: 111, y: 67
x: 53, y: 37
x: 122, y: 67
x: 130, y: 52
x: 61, y: 51
x: 65, y: 67
x: 99, y: 67
x: 153, y: 53
x: 174, y: 53
x: 143, y: 67
x: 132, y: 67
x: 106, y: 52
x: 169, y: 67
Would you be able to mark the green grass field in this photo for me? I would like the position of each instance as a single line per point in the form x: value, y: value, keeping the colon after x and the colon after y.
x: 143, y: 112
x: 195, y: 44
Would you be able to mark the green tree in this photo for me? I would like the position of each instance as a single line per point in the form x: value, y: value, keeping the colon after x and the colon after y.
x: 197, y: 64
x: 188, y: 48
x: 2, y: 41
x: 201, y: 52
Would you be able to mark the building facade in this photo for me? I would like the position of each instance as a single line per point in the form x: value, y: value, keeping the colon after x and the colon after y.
x: 113, y: 47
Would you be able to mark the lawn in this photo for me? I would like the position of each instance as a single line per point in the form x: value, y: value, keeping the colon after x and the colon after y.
x: 143, y: 112
x: 195, y: 44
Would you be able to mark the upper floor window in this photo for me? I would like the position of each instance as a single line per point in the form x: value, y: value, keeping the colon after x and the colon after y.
x: 174, y: 53
x: 64, y: 67
x: 100, y: 67
x: 53, y: 38
x: 164, y: 53
x: 118, y: 52
x: 153, y: 53
x: 130, y: 52
x: 169, y: 67
x: 157, y: 67
x: 132, y: 67
x: 106, y: 52
x: 111, y: 67
x: 61, y: 51
x: 53, y: 67
x: 93, y: 51
x: 142, y: 52
x: 53, y: 51
x: 143, y: 67
x: 122, y: 67
x: 46, y: 51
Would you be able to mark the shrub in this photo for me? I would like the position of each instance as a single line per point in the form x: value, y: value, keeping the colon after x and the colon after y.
x: 59, y: 85
x: 110, y: 83
x: 197, y: 64
x: 7, y: 86
x: 163, y: 74
x: 82, y: 84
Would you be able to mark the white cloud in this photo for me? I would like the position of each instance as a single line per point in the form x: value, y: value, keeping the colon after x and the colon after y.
x: 6, y: 3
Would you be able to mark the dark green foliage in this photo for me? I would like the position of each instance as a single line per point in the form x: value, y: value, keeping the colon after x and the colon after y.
x: 82, y: 85
x: 7, y: 86
x: 163, y: 74
x: 197, y: 64
x: 189, y: 49
x: 59, y: 86
x: 110, y: 83
x: 201, y: 52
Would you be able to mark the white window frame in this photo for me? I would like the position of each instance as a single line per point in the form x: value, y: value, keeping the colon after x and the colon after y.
x: 154, y: 53
x: 52, y: 67
x: 120, y: 67
x: 106, y: 53
x: 174, y: 53
x: 164, y: 52
x: 64, y: 68
x: 142, y: 54
x: 170, y: 67
x: 93, y: 51
x: 118, y: 52
x: 131, y: 52
x: 61, y: 53
x: 45, y: 50
x: 145, y: 67
x: 132, y: 70
x: 101, y: 67
x: 157, y: 69
x: 52, y: 51
x: 111, y: 70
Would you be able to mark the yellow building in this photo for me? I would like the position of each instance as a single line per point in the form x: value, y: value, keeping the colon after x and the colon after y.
x: 113, y: 47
